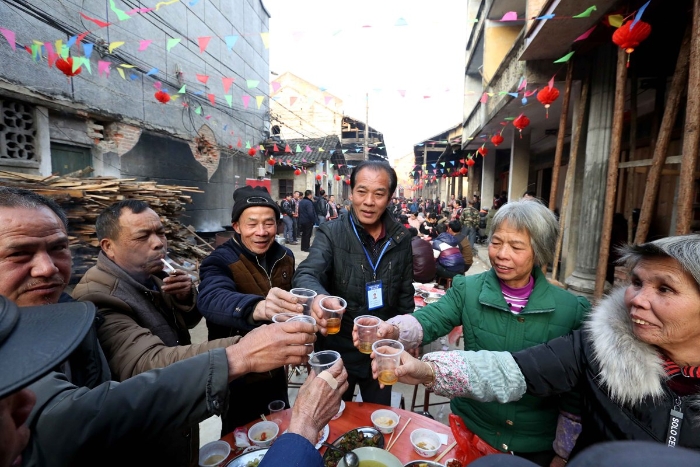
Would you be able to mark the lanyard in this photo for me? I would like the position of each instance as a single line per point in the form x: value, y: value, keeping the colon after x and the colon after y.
x: 372, y: 265
x: 674, y: 424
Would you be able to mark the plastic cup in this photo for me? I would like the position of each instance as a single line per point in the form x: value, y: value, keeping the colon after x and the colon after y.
x: 367, y: 326
x: 303, y: 319
x: 305, y: 297
x: 277, y: 414
x: 323, y: 360
x: 283, y: 317
x: 333, y: 308
x: 387, y: 354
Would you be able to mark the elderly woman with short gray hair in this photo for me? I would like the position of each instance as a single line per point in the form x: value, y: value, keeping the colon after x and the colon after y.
x: 508, y: 308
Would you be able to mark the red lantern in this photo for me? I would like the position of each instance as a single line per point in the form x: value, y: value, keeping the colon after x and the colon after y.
x: 520, y: 123
x: 630, y: 35
x: 271, y: 161
x: 251, y: 152
x: 347, y: 182
x: 463, y: 171
x: 483, y: 151
x: 162, y: 97
x: 297, y: 172
x: 444, y: 176
x: 337, y: 178
x: 66, y: 66
x: 470, y: 162
x: 318, y: 177
x: 546, y: 96
x: 496, y: 139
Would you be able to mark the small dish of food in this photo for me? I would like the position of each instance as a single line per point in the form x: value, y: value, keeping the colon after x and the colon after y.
x: 425, y: 442
x: 263, y: 433
x: 384, y: 420
x: 340, y: 410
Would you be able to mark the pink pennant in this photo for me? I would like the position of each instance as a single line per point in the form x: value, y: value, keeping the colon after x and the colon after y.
x: 246, y: 101
x: 529, y: 93
x: 10, y: 36
x: 157, y: 85
x: 276, y: 86
x: 550, y: 83
x: 484, y: 98
x: 523, y: 84
x: 402, y: 92
x: 207, y: 117
x: 203, y: 43
x: 212, y: 99
x: 133, y: 11
x: 227, y: 84
x: 51, y: 54
x: 143, y: 45
x: 307, y: 148
x: 303, y: 160
x: 103, y: 67
x: 292, y: 100
x: 327, y: 99
x: 510, y: 16
x: 202, y: 78
x: 584, y: 35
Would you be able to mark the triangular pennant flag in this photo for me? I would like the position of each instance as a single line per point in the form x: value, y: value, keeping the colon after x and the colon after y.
x: 86, y: 63
x: 402, y: 92
x: 639, y: 14
x: 514, y: 94
x: 484, y: 98
x: 183, y: 89
x: 230, y: 41
x: 265, y: 36
x: 203, y: 43
x: 212, y: 99
x: 304, y: 160
x: 152, y: 72
x: 239, y: 143
x: 227, y: 82
x: 77, y: 61
x: 103, y: 67
x: 121, y: 73
x: 121, y: 15
x: 327, y: 99
x: 307, y: 148
x: 252, y: 83
x: 550, y: 16
x: 172, y: 43
x: 298, y: 148
x: 51, y: 55
x: 523, y: 83
x: 550, y: 83
x: 510, y: 16
x: 320, y: 149
x: 259, y: 100
x: 292, y: 100
x: 229, y: 99
x: 198, y: 110
x: 10, y: 36
x: 126, y: 65
x: 616, y: 20
x: 530, y: 93
x: 401, y: 22
x: 246, y: 101
x: 87, y: 49
x: 275, y: 86
x: 565, y: 58
x: 202, y: 78
x: 114, y: 45
x: 247, y: 144
x: 586, y: 13
x: 287, y: 148
x: 99, y: 23
x: 275, y: 148
x: 584, y: 35
x: 143, y: 45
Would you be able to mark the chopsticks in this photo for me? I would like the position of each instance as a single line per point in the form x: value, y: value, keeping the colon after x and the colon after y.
x: 447, y: 449
x: 392, y: 442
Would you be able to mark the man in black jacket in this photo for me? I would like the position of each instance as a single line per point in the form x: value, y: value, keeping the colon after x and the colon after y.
x: 307, y: 219
x: 363, y: 255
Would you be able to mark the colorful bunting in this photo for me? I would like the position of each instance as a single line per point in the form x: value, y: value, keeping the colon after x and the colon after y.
x: 510, y: 16
x: 87, y: 49
x: 212, y: 99
x: 172, y: 42
x: 584, y: 35
x: 565, y: 58
x: 227, y: 82
x: 202, y: 78
x: 143, y: 45
x: 265, y: 36
x: 259, y: 100
x: 585, y: 14
x: 115, y: 45
x: 203, y: 43
x: 99, y: 23
x: 246, y: 101
x: 276, y: 86
x: 229, y: 99
x: 103, y: 67
x: 121, y: 15
x: 252, y: 83
x: 230, y: 41
x: 160, y: 4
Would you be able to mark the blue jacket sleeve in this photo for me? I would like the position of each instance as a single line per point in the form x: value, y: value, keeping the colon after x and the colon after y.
x: 292, y: 450
x: 219, y: 301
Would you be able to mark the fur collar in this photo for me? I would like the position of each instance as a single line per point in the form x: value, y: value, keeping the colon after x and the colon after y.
x: 629, y: 368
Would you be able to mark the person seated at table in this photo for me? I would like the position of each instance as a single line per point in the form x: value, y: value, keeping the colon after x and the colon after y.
x: 424, y: 265
x: 429, y: 227
x: 636, y: 359
x: 454, y: 228
x: 316, y: 403
x: 510, y: 307
x: 448, y: 256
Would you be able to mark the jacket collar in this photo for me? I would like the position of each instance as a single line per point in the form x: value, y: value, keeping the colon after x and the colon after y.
x: 630, y: 368
x: 114, y: 269
x: 540, y: 301
x: 394, y: 230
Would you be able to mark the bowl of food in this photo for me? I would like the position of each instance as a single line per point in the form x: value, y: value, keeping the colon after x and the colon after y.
x: 385, y: 420
x: 423, y: 464
x: 374, y: 456
x: 340, y: 410
x: 263, y: 433
x: 214, y: 453
x: 425, y: 442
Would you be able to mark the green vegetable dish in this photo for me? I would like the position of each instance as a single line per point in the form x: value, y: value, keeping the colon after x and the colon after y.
x: 353, y: 439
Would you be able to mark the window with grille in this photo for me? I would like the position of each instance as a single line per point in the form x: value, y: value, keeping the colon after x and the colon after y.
x: 286, y: 187
x: 17, y: 131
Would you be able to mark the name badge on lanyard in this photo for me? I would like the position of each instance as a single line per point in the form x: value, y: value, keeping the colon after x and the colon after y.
x: 375, y: 297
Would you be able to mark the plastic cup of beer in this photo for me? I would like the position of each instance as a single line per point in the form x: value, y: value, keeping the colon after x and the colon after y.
x: 303, y: 319
x: 387, y: 354
x: 323, y: 360
x: 367, y: 327
x: 304, y: 297
x: 333, y: 308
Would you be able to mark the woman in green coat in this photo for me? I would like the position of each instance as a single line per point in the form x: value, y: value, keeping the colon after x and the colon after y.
x: 508, y: 308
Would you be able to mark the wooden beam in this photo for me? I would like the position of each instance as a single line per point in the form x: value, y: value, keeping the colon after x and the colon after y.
x: 613, y: 161
x: 561, y: 135
x: 648, y: 162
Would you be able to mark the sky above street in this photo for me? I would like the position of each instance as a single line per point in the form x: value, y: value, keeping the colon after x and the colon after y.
x: 406, y: 56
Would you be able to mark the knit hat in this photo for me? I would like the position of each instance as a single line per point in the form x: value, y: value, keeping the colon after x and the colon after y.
x: 247, y: 197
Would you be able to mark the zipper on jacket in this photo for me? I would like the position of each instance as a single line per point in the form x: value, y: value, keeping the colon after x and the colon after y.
x: 269, y: 277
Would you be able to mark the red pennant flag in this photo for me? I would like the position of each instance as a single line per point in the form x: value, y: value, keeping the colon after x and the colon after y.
x: 203, y: 43
x: 275, y: 148
x: 212, y: 99
x: 287, y: 149
x: 240, y: 143
x: 292, y: 100
x: 202, y: 78
x: 227, y: 84
x: 96, y: 21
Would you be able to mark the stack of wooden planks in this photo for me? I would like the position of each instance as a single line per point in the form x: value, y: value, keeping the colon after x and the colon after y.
x: 84, y: 198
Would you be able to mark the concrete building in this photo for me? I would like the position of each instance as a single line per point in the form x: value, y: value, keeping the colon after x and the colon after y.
x: 210, y: 58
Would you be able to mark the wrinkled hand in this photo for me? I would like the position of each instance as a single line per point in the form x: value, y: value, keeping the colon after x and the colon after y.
x: 179, y: 284
x: 277, y: 301
x: 410, y: 370
x: 271, y: 346
x: 557, y: 461
x: 317, y: 313
x: 316, y: 403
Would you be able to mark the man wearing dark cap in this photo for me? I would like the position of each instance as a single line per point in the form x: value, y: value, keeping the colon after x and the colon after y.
x: 244, y: 283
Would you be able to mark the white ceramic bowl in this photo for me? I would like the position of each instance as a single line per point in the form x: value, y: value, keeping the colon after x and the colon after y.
x: 340, y: 410
x: 385, y: 420
x: 214, y: 453
x: 375, y: 454
x: 425, y: 442
x: 269, y: 429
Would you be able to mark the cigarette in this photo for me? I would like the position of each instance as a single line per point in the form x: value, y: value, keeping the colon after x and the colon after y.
x: 167, y: 265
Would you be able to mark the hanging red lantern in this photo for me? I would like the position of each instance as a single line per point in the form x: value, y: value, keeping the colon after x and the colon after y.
x: 347, y: 182
x: 546, y: 96
x: 251, y: 152
x: 162, y: 97
x: 318, y: 177
x: 483, y: 151
x: 297, y: 172
x: 66, y: 66
x: 463, y: 171
x: 470, y: 162
x: 630, y: 35
x: 271, y: 161
x: 496, y: 139
x: 337, y: 178
x: 520, y: 123
x: 444, y: 176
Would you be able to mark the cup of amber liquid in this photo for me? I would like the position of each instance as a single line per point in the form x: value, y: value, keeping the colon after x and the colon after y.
x: 333, y: 308
x: 367, y: 327
x: 387, y: 354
